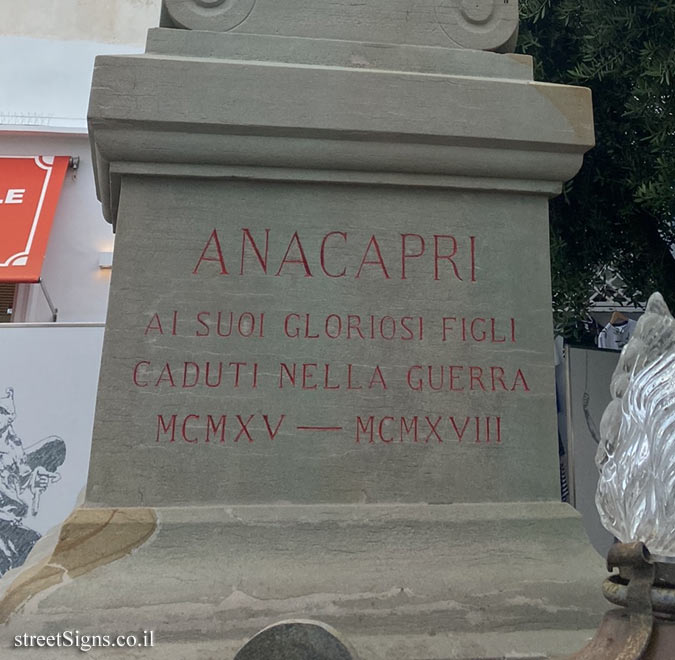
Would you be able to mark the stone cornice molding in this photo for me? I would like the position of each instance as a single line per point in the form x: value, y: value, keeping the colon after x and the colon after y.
x: 315, y: 122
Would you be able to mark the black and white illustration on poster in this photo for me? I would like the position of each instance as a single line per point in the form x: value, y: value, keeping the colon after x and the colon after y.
x: 25, y: 475
x: 48, y: 380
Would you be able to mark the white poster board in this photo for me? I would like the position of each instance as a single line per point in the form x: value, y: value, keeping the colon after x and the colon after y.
x: 589, y: 372
x: 48, y: 383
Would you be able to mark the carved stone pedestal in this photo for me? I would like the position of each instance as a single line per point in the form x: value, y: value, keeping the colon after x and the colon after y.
x: 327, y: 383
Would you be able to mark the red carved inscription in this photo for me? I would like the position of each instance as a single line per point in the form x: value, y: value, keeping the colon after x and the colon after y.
x: 339, y: 254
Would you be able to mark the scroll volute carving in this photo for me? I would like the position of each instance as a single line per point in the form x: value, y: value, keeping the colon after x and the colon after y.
x: 211, y: 15
x: 479, y: 24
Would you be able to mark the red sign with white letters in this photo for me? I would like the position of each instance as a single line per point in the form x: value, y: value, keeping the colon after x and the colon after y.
x: 29, y: 192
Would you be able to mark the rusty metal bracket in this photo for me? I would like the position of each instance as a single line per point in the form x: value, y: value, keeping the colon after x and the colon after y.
x: 625, y: 634
x: 635, y: 559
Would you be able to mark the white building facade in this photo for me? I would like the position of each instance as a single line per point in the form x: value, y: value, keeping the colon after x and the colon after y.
x: 50, y: 46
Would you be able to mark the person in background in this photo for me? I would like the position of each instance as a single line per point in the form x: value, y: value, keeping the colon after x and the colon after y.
x: 617, y: 332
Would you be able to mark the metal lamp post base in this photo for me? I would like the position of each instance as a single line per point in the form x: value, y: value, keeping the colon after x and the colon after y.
x: 644, y: 629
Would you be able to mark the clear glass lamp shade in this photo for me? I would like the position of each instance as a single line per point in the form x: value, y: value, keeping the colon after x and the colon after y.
x: 636, y: 456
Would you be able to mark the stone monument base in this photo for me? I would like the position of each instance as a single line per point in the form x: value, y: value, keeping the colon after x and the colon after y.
x: 399, y: 582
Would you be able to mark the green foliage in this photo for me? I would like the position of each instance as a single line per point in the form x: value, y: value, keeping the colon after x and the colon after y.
x: 619, y: 209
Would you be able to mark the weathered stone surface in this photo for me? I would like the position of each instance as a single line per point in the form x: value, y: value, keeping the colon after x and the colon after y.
x: 477, y: 24
x: 316, y: 411
x: 399, y: 582
x: 338, y: 52
x: 88, y: 539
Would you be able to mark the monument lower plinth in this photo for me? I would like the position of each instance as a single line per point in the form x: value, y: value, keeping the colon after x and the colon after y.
x: 327, y: 383
x: 398, y: 581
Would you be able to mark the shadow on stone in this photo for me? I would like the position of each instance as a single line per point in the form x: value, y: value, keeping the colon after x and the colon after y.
x: 296, y: 640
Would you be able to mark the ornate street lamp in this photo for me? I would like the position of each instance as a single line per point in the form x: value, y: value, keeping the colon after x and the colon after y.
x: 636, y: 496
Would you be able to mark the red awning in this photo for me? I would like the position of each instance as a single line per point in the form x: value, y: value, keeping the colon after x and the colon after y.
x: 29, y: 191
